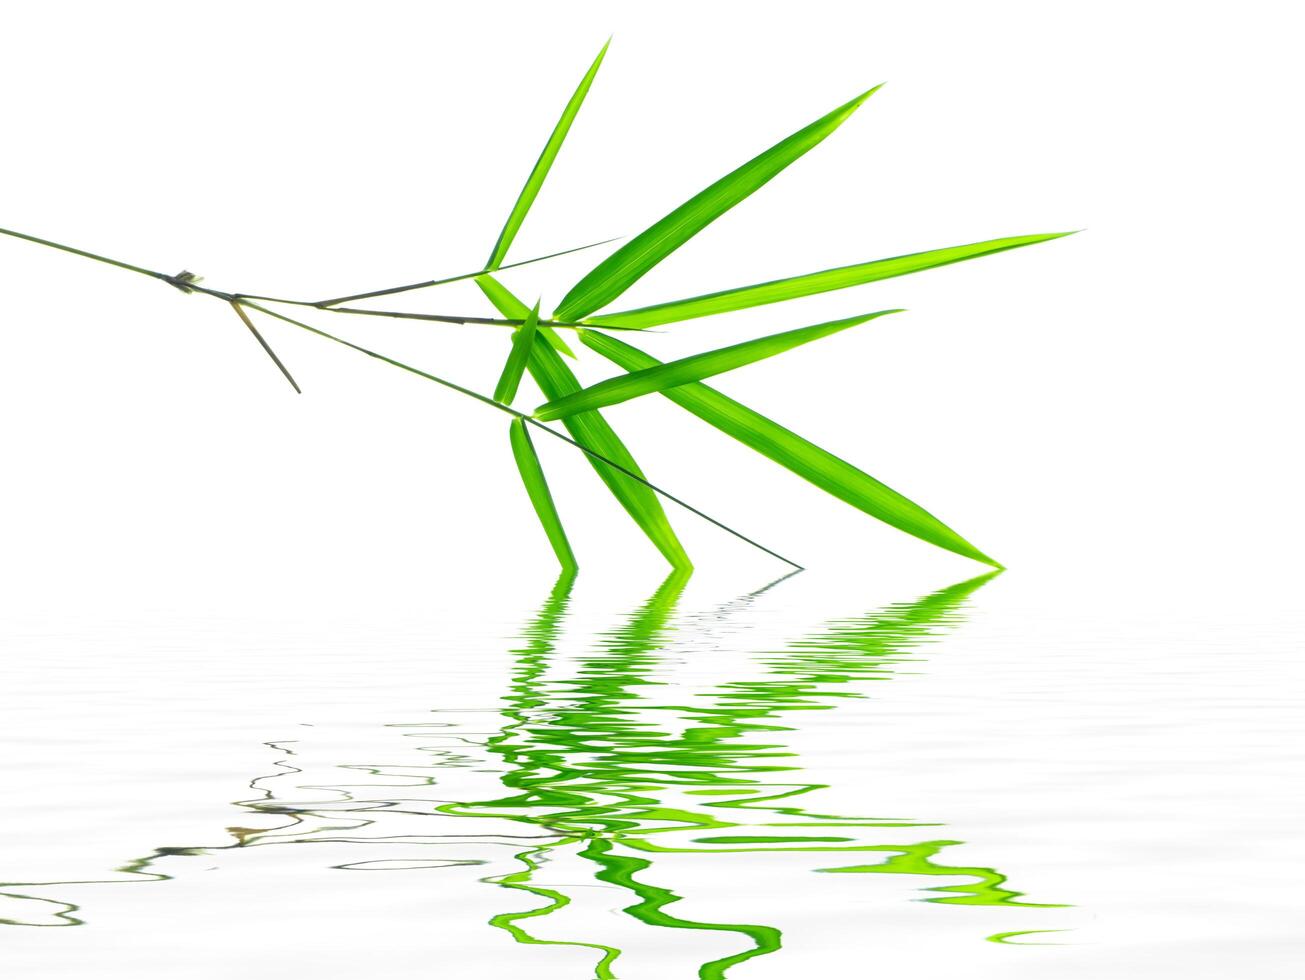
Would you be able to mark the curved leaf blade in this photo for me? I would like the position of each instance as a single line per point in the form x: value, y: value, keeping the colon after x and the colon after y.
x: 835, y: 476
x: 694, y: 368
x: 532, y: 475
x: 546, y: 157
x: 615, y: 274
x: 523, y: 340
x: 591, y: 430
x: 778, y: 290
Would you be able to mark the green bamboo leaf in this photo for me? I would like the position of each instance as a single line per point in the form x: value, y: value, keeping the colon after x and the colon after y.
x: 523, y: 340
x: 695, y: 368
x: 831, y: 474
x: 615, y: 274
x: 591, y: 430
x: 532, y: 475
x: 514, y: 309
x: 536, y: 179
x: 777, y: 290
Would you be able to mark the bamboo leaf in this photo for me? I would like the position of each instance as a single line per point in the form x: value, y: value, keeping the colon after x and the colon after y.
x: 615, y: 274
x: 828, y: 472
x: 514, y: 309
x: 591, y: 430
x: 536, y: 179
x: 523, y: 340
x: 695, y: 368
x: 532, y: 475
x: 777, y: 290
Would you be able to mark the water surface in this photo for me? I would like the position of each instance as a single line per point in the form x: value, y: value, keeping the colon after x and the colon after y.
x: 688, y: 784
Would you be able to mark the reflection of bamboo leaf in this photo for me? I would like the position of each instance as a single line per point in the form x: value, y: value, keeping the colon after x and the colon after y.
x: 586, y: 764
x: 507, y: 921
x: 620, y: 870
x: 917, y: 859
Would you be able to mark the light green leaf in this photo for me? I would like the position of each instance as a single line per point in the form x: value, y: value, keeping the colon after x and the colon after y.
x: 695, y: 368
x: 532, y: 475
x: 615, y: 274
x: 514, y: 309
x: 523, y: 340
x: 831, y: 474
x: 536, y: 179
x: 591, y: 430
x: 777, y: 290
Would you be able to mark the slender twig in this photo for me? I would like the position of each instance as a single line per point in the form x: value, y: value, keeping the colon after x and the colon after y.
x: 85, y: 254
x: 530, y: 421
x: 239, y: 300
x: 669, y: 496
x: 270, y: 353
x: 325, y: 303
x: 189, y: 285
x: 487, y: 320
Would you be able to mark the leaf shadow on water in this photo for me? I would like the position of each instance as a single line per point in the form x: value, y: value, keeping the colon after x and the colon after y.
x: 595, y: 778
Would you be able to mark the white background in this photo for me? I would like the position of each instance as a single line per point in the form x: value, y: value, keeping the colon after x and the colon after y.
x: 1114, y: 415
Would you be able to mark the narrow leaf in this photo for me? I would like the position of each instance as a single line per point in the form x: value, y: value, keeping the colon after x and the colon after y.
x: 536, y: 179
x: 514, y: 309
x: 523, y: 340
x: 828, y: 472
x: 591, y: 430
x: 532, y: 475
x: 777, y: 290
x: 695, y: 368
x: 615, y: 274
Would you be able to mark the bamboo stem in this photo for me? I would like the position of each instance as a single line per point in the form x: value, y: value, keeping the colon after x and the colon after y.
x: 240, y: 300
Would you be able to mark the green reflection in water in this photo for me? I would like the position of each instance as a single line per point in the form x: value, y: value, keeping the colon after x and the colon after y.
x: 585, y: 761
x: 619, y: 781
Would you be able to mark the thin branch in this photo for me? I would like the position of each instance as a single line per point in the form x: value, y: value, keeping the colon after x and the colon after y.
x: 238, y: 301
x: 270, y: 353
x: 486, y: 320
x: 85, y: 254
x: 388, y: 360
x: 669, y: 496
x: 530, y: 421
x: 326, y: 303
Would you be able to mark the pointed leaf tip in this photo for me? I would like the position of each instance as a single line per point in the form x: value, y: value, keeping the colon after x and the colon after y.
x: 693, y: 368
x: 523, y: 341
x: 620, y: 270
x: 795, y: 287
x: 543, y: 164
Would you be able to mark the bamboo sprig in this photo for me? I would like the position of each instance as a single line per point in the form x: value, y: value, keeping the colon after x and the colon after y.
x: 536, y: 345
